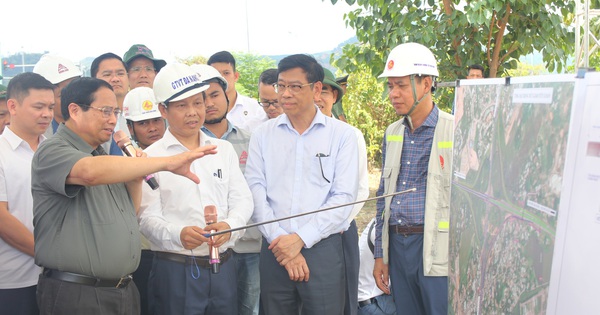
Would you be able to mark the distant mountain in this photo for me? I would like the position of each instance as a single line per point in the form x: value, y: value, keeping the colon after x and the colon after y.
x: 323, y: 57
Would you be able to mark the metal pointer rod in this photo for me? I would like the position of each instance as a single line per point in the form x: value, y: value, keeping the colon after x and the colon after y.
x: 307, y: 213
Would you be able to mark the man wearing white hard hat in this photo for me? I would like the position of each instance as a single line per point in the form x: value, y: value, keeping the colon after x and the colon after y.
x: 144, y: 121
x: 411, y: 245
x: 146, y: 126
x: 184, y: 278
x: 216, y: 125
x: 60, y: 72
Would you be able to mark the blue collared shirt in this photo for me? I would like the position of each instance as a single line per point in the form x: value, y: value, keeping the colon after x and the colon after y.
x: 409, y: 209
x: 287, y: 177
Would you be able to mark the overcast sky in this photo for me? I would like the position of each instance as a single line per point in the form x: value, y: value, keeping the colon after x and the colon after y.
x: 78, y: 29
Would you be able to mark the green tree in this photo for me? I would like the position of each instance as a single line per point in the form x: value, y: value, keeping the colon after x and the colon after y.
x: 525, y: 69
x: 250, y: 66
x: 193, y: 60
x: 491, y: 32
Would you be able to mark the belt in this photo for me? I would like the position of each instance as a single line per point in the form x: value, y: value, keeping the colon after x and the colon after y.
x: 202, y: 261
x: 406, y: 229
x: 366, y: 302
x: 86, y: 280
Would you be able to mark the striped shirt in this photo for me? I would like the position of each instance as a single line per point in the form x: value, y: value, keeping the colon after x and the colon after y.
x: 409, y: 209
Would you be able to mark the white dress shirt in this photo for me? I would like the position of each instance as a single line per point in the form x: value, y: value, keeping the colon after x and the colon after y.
x: 17, y: 269
x: 179, y: 202
x: 287, y: 177
x: 367, y: 288
x: 246, y: 113
x: 363, y: 175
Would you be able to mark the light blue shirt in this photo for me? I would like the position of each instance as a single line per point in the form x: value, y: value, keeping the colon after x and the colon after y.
x: 286, y: 177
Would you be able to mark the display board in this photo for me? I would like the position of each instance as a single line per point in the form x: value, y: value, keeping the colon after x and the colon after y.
x: 510, y: 149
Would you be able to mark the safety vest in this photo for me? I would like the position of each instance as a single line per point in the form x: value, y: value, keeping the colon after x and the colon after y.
x: 437, y: 198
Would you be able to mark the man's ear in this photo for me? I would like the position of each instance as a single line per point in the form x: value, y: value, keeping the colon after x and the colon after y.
x: 11, y: 105
x: 163, y: 110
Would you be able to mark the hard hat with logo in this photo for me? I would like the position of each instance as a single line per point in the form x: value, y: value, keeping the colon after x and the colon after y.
x: 140, y: 104
x: 410, y: 58
x: 208, y: 73
x: 177, y: 81
x: 56, y: 69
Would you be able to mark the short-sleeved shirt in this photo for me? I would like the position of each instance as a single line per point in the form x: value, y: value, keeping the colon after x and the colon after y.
x: 17, y: 269
x: 90, y: 230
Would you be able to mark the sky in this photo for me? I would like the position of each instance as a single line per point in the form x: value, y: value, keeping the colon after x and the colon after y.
x: 183, y: 28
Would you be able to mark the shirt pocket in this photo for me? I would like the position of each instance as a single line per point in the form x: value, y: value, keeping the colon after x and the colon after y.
x: 321, y: 169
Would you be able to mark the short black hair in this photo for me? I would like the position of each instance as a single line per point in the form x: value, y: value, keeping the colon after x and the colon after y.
x: 268, y: 77
x: 313, y: 69
x: 476, y: 67
x: 19, y: 86
x: 99, y: 59
x: 81, y: 91
x: 222, y: 56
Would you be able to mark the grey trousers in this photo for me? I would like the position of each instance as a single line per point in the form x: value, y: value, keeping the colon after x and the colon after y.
x: 325, y: 291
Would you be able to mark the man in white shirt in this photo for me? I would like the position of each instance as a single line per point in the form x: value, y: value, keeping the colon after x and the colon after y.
x: 247, y: 248
x: 172, y: 217
x: 371, y: 300
x: 30, y: 102
x: 244, y: 112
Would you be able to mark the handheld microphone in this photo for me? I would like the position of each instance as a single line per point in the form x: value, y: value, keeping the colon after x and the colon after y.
x: 210, y: 216
x: 123, y: 142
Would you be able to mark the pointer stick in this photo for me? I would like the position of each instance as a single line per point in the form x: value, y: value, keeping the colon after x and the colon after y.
x: 307, y: 213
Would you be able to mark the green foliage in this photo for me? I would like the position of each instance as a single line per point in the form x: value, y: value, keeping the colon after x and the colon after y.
x: 491, y: 32
x: 367, y: 108
x: 193, y: 60
x: 250, y: 66
x: 525, y: 69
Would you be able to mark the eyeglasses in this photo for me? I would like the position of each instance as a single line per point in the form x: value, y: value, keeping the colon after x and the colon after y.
x: 106, y: 110
x: 138, y: 69
x: 269, y: 103
x: 320, y: 155
x: 293, y: 88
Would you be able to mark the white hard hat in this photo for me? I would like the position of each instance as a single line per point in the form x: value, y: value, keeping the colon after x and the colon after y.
x: 56, y: 69
x: 140, y: 104
x: 177, y: 81
x: 410, y: 58
x: 209, y: 72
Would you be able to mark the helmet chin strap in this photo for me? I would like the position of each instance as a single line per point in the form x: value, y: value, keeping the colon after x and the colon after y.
x: 412, y: 109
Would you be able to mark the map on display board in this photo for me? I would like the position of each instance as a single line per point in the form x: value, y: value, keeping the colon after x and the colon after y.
x: 510, y: 146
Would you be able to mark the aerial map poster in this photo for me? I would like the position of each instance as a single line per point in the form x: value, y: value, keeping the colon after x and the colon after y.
x: 510, y: 145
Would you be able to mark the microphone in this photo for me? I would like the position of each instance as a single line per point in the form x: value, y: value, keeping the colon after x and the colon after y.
x: 123, y: 142
x: 210, y: 216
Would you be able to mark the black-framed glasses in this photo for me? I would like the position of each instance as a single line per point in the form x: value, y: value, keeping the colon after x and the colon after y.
x: 266, y: 104
x: 106, y: 110
x: 293, y: 88
x: 139, y: 69
x: 320, y: 155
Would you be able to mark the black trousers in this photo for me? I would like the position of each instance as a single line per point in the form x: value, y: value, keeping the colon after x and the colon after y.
x: 60, y: 297
x: 18, y: 301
